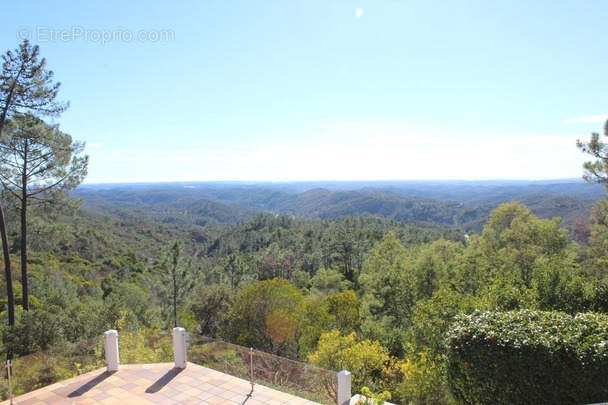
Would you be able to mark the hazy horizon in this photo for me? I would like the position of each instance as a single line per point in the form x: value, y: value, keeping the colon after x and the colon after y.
x: 402, y: 181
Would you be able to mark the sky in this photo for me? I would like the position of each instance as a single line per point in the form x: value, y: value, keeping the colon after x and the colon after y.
x: 286, y: 90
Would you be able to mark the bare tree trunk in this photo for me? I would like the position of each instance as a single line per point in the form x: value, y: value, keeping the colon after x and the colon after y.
x: 9, y: 279
x: 25, y: 288
x: 7, y: 269
x: 24, y: 284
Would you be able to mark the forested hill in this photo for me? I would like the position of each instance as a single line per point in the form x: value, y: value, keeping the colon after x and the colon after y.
x: 462, y: 204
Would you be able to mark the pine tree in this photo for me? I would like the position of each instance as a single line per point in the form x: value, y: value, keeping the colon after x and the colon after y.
x: 26, y: 86
x: 38, y: 165
x: 596, y: 171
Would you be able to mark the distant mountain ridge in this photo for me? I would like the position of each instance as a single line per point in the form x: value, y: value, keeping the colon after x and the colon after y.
x: 462, y: 204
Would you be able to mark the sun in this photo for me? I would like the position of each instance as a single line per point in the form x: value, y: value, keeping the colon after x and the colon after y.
x: 358, y: 12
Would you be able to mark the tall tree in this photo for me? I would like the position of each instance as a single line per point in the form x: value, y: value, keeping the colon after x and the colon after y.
x: 38, y: 164
x: 388, y: 293
x: 596, y: 171
x: 516, y: 241
x: 266, y: 315
x: 25, y: 86
x: 178, y: 278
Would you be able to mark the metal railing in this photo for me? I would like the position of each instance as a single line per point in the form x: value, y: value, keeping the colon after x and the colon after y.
x: 303, y: 380
x: 37, y: 370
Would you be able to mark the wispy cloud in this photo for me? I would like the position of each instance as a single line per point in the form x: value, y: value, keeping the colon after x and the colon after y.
x: 588, y: 119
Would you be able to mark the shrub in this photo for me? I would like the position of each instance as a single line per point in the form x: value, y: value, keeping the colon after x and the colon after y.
x: 422, y: 380
x: 523, y: 357
x: 367, y: 360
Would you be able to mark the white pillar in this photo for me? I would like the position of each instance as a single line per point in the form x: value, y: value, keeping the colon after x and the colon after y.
x: 344, y: 387
x: 179, y: 347
x: 111, y: 348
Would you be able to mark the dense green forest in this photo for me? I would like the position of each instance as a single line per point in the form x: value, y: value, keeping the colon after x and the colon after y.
x: 368, y: 280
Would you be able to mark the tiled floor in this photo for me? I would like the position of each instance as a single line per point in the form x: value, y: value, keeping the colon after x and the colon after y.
x: 158, y: 384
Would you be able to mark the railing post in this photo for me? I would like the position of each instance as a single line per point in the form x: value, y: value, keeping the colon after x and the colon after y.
x: 251, y: 375
x: 111, y: 348
x: 344, y: 387
x: 179, y: 347
x: 9, y: 364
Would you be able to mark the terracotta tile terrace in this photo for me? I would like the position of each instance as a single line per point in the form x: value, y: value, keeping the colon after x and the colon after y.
x: 159, y: 384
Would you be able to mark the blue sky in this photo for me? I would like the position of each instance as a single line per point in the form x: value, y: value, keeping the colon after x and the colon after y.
x: 324, y: 90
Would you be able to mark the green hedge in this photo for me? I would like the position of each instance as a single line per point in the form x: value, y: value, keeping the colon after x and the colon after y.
x: 529, y: 357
